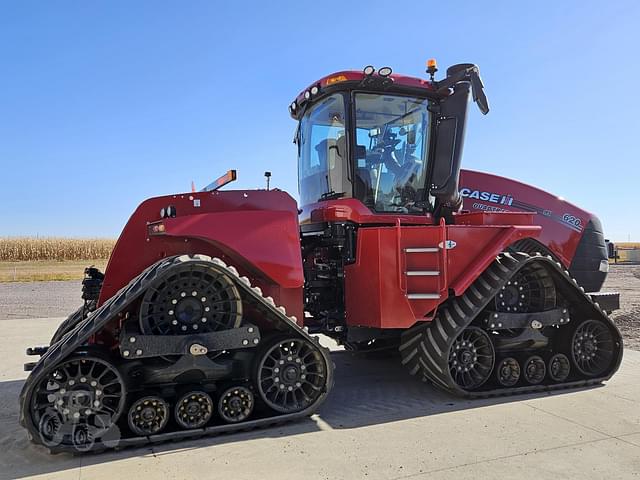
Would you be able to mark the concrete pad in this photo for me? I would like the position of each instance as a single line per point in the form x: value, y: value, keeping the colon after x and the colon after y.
x: 610, y: 458
x: 634, y: 438
x: 387, y: 450
x: 612, y: 410
x: 378, y: 423
x: 17, y: 335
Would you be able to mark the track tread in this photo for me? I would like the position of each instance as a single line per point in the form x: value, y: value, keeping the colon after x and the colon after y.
x: 426, y: 352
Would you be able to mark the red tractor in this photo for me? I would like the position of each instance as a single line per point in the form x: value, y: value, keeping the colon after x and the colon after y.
x: 203, y: 320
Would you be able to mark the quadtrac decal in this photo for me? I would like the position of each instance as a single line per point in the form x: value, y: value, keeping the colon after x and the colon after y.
x: 500, y: 201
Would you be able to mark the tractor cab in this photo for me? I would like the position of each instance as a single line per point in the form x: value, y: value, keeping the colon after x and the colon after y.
x: 389, y: 141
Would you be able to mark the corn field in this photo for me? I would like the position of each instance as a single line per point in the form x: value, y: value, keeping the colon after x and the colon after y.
x: 16, y: 249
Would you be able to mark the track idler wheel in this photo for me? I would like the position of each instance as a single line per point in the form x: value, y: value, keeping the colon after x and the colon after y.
x: 78, y: 401
x: 559, y: 367
x: 471, y: 358
x: 291, y: 374
x: 534, y: 370
x: 592, y: 348
x: 194, y: 409
x: 508, y: 372
x: 236, y: 404
x: 193, y: 299
x: 148, y: 416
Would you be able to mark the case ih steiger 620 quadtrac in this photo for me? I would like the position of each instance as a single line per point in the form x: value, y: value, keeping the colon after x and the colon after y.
x: 203, y: 320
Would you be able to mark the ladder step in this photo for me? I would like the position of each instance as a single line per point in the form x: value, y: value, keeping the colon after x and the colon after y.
x: 423, y: 296
x: 422, y: 250
x: 422, y: 273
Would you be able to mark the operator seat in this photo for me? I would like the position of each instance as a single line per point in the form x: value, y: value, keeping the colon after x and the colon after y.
x: 333, y: 163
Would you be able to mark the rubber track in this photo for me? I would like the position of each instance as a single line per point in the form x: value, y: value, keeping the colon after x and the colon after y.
x: 68, y: 324
x: 425, y: 347
x: 118, y: 303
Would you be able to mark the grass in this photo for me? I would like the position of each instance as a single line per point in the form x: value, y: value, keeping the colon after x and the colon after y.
x: 45, y: 270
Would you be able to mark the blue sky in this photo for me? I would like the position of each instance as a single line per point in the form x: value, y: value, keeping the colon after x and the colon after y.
x: 103, y: 104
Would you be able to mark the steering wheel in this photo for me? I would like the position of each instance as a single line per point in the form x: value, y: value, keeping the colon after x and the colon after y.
x: 382, y: 153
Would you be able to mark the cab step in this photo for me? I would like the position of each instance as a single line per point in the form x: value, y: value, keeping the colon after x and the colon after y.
x: 423, y: 296
x: 422, y: 273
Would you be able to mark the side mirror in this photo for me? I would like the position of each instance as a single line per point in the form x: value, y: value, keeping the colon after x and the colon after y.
x: 477, y: 90
x: 444, y: 156
x: 449, y: 141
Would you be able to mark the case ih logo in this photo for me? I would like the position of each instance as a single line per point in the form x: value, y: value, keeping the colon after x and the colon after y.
x: 487, y: 196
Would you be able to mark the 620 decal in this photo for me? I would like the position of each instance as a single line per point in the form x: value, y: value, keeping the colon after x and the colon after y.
x: 572, y: 220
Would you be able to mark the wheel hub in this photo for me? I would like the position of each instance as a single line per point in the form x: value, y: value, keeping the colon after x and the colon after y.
x: 235, y: 403
x: 193, y: 408
x: 189, y: 310
x: 471, y: 358
x: 78, y: 398
x: 513, y: 297
x: 291, y: 374
x: 466, y: 357
x: 148, y: 414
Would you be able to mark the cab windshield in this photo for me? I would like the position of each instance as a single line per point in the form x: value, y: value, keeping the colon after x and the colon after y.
x: 391, y: 152
x: 387, y: 168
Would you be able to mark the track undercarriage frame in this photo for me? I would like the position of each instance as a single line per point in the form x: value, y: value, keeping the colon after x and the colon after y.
x: 82, y: 413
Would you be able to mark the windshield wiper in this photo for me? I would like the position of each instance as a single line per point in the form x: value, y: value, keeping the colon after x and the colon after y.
x: 331, y: 195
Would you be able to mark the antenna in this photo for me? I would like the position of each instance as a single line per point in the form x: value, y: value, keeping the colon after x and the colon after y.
x: 267, y: 176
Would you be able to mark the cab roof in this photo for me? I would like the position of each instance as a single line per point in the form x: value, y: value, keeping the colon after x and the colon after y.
x: 347, y: 78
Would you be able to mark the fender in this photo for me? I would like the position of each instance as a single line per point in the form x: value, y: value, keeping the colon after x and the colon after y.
x: 255, y: 230
x: 265, y: 240
x: 480, y: 246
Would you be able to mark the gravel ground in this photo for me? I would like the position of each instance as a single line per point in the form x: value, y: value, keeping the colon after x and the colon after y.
x: 626, y: 280
x: 58, y: 299
x: 39, y: 299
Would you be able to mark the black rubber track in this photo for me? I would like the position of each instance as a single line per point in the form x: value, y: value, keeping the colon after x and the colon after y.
x: 69, y: 324
x: 425, y: 347
x: 98, y: 319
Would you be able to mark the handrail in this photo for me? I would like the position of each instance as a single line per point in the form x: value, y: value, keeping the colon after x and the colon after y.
x: 399, y: 255
x: 442, y: 278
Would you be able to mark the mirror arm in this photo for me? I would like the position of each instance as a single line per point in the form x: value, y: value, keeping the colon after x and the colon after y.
x: 465, y: 73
